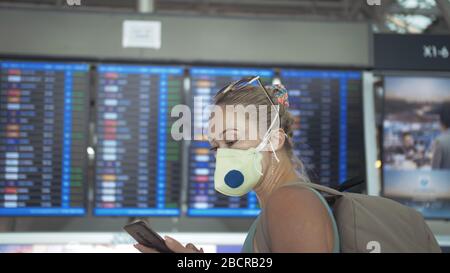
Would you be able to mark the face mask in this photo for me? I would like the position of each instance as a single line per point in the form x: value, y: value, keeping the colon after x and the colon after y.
x: 238, y: 171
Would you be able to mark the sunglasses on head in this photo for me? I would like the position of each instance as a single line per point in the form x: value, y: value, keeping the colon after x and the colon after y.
x: 240, y: 84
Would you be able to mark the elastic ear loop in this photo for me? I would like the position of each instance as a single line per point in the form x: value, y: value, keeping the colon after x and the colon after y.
x: 256, y: 167
x: 274, y: 153
x: 267, y: 138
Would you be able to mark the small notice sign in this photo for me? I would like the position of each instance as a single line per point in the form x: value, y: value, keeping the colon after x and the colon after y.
x: 141, y: 34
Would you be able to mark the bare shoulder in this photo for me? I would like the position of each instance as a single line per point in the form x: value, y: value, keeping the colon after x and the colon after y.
x: 300, y: 199
x: 298, y: 221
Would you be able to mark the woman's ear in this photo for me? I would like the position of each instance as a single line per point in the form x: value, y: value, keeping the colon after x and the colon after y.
x: 277, y: 139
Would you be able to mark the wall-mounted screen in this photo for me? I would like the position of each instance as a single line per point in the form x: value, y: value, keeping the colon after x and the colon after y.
x: 328, y: 133
x: 138, y: 163
x: 43, y: 138
x: 416, y: 143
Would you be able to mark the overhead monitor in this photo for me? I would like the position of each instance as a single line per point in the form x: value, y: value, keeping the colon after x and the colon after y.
x: 43, y: 138
x: 138, y: 163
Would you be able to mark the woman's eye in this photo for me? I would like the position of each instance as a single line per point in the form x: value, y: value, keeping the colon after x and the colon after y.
x: 230, y: 143
x: 213, y: 149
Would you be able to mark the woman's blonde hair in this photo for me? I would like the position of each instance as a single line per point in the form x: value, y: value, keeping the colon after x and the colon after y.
x: 254, y: 95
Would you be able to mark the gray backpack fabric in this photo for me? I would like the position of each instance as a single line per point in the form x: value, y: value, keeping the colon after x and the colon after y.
x: 372, y: 224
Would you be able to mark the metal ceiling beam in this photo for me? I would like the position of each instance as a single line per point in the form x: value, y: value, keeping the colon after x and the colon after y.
x: 346, y: 8
x: 281, y: 3
x: 356, y: 7
x: 304, y: 3
x: 252, y: 7
x: 145, y: 6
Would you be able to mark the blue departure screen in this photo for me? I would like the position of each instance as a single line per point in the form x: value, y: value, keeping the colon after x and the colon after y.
x: 328, y: 133
x: 43, y: 138
x: 138, y: 164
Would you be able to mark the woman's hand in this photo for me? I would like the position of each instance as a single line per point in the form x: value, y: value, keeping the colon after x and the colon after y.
x: 172, y: 244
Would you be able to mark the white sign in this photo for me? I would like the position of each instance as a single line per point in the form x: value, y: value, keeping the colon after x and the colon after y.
x: 73, y: 2
x: 141, y: 34
x: 373, y: 2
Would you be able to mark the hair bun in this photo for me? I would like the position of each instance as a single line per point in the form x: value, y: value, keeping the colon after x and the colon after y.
x: 280, y: 93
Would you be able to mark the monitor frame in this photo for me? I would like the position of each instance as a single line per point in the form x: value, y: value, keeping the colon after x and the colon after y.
x: 86, y: 129
x: 95, y: 77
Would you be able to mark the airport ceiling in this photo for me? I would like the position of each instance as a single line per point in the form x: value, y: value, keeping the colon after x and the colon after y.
x: 403, y: 16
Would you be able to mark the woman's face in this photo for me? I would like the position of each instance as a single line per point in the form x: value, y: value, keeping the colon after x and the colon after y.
x: 228, y: 129
x: 235, y: 132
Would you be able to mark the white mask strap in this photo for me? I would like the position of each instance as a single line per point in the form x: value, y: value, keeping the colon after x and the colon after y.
x: 266, y: 136
x: 266, y: 139
x: 256, y: 168
x: 274, y: 153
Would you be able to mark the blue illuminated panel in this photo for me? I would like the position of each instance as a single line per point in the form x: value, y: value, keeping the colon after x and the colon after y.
x: 203, y: 200
x: 43, y: 138
x: 328, y: 134
x: 138, y: 171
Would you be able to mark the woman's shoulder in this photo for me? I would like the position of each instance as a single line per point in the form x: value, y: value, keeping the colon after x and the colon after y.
x: 297, y: 220
x: 295, y: 197
x: 292, y: 190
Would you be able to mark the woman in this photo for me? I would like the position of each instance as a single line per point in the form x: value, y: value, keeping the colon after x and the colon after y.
x: 293, y: 218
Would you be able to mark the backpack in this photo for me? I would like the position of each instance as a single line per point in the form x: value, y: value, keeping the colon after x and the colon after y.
x: 373, y: 224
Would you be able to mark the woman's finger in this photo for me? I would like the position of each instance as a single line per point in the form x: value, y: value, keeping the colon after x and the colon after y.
x: 145, y: 249
x: 176, y: 246
x: 193, y: 247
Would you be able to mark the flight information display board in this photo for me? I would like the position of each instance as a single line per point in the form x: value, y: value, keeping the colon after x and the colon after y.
x: 138, y: 164
x: 43, y: 138
x: 203, y: 200
x: 329, y: 133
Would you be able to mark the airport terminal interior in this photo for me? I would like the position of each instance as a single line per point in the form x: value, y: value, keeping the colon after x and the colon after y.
x: 88, y: 90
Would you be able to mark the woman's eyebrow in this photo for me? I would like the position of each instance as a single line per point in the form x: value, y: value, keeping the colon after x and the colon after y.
x: 213, y: 142
x: 224, y: 131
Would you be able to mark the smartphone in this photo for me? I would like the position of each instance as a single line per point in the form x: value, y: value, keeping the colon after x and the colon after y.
x: 144, y: 235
